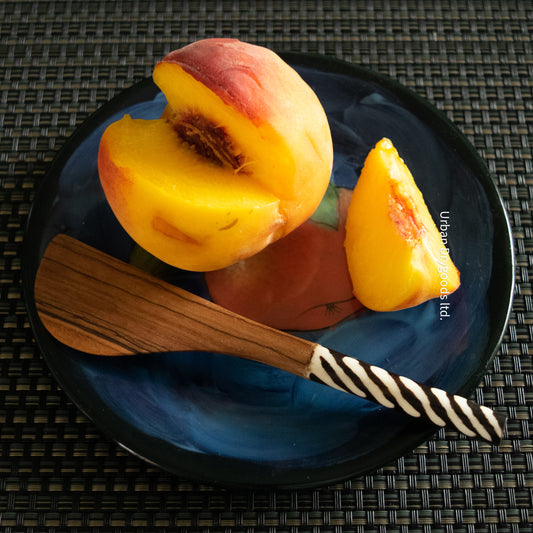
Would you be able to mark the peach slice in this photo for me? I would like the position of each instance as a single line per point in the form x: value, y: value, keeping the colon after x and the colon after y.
x: 395, y: 253
x: 241, y: 156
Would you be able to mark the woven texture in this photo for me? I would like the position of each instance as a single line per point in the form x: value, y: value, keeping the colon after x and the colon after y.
x: 60, y: 61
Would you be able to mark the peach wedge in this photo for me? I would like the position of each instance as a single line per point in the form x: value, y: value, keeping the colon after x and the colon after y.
x: 395, y: 252
x: 241, y: 156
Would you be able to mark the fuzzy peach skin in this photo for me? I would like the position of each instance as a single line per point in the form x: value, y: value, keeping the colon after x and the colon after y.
x: 241, y: 156
x: 395, y: 253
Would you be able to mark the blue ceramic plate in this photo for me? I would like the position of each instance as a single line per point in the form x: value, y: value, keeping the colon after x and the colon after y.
x: 229, y: 421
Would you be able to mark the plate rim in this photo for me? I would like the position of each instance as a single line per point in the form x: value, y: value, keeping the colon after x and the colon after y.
x: 256, y: 473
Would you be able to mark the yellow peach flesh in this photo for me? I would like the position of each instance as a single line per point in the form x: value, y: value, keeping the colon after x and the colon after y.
x: 395, y: 252
x: 159, y: 194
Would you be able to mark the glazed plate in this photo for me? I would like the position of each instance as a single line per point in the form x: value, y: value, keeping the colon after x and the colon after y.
x: 228, y: 421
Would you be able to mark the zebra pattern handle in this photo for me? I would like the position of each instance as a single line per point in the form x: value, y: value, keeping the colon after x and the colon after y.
x: 390, y: 390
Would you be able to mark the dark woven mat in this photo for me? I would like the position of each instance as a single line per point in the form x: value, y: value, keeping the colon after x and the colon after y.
x: 60, y: 61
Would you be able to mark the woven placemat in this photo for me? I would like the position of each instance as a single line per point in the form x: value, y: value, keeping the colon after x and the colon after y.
x: 60, y: 61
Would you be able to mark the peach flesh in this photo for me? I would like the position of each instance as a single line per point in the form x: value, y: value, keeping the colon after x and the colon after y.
x: 167, y: 202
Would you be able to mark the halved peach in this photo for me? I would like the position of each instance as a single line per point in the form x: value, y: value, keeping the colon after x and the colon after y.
x: 241, y: 156
x: 395, y: 253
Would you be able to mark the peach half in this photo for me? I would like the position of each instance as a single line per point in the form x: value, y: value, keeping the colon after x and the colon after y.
x: 395, y: 252
x: 241, y: 156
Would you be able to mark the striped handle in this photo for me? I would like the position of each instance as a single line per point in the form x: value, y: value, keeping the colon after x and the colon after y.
x: 390, y: 390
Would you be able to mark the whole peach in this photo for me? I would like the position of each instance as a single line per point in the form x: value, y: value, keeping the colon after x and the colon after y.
x: 241, y: 156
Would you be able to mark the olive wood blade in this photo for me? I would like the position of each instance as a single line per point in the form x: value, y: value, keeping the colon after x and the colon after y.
x: 100, y: 305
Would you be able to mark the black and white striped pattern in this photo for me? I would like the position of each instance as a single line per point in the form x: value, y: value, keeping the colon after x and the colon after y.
x: 390, y: 390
